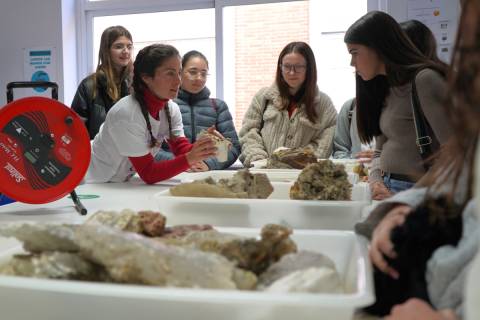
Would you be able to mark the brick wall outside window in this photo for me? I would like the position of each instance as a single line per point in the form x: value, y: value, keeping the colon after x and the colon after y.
x: 261, y: 32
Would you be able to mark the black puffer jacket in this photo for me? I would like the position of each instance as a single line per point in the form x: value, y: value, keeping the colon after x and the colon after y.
x: 93, y: 111
x: 200, y: 112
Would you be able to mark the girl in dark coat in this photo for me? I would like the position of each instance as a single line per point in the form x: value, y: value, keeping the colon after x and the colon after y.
x: 200, y: 112
x: 98, y: 92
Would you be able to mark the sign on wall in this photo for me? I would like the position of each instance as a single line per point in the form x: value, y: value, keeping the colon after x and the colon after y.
x: 441, y: 17
x: 40, y: 65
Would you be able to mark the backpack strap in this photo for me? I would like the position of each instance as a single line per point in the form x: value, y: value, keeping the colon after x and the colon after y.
x: 423, y: 137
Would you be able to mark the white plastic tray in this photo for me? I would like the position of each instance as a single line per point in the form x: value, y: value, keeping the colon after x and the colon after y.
x: 43, y: 299
x: 274, y: 175
x: 278, y: 208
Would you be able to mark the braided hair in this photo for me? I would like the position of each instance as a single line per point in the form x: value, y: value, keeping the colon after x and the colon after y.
x: 146, y: 62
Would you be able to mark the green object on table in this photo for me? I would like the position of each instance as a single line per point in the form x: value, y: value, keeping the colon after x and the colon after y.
x: 86, y: 196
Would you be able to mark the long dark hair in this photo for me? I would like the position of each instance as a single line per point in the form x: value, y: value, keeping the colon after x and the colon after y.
x: 105, y: 66
x: 147, y: 60
x: 381, y: 33
x: 307, y: 92
x: 423, y: 38
x: 193, y: 54
x: 463, y: 109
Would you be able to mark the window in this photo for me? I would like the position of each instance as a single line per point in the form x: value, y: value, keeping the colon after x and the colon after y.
x: 241, y: 38
x: 149, y: 28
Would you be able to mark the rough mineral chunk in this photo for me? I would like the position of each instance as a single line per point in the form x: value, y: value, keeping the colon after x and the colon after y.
x: 37, y: 237
x: 258, y: 255
x: 293, y: 262
x: 133, y: 258
x: 243, y: 184
x: 291, y: 158
x: 314, y: 280
x: 322, y: 181
x: 126, y: 220
x: 222, y: 145
x: 153, y: 223
x: 147, y: 222
x: 247, y: 253
x: 53, y: 265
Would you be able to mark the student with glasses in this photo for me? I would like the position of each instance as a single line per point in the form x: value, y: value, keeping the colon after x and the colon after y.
x: 136, y: 126
x: 97, y: 93
x: 200, y: 112
x: 291, y: 113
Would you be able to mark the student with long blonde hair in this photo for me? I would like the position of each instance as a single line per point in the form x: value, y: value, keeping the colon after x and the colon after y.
x: 98, y: 92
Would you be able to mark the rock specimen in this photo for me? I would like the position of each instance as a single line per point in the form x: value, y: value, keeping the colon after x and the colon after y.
x: 124, y: 247
x: 243, y: 184
x: 322, y: 181
x: 132, y: 258
x: 294, y: 262
x: 53, y: 265
x: 149, y: 223
x: 222, y: 145
x: 247, y: 253
x: 314, y: 280
x: 361, y: 170
x: 38, y: 237
x: 291, y: 158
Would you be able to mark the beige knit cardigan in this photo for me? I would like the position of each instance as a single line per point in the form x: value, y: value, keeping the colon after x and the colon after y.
x: 279, y: 130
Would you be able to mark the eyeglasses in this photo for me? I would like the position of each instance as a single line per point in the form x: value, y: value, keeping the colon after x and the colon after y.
x: 193, y: 74
x: 297, y: 68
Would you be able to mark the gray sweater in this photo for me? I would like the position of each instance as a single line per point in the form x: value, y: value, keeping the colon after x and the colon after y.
x: 396, y: 149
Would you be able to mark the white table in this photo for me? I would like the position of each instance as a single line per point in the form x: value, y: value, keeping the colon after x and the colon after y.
x: 135, y: 195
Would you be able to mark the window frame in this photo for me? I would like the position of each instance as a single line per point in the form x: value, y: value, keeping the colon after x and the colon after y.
x: 88, y: 10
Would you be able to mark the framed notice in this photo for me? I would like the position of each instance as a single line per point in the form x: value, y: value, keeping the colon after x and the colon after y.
x: 40, y: 65
x: 441, y: 16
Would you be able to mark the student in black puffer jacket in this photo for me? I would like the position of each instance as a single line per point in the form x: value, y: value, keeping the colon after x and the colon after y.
x: 200, y: 112
x: 98, y: 92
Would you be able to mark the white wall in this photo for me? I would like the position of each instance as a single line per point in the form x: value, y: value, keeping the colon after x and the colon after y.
x: 31, y: 23
x: 28, y: 24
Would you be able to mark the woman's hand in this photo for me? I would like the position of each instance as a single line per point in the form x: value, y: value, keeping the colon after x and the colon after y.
x: 381, y: 244
x: 203, y: 148
x: 199, y: 167
x: 416, y: 309
x: 213, y: 130
x: 365, y: 156
x: 379, y: 191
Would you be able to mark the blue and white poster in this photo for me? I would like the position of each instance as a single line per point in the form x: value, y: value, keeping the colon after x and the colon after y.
x: 39, y: 65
